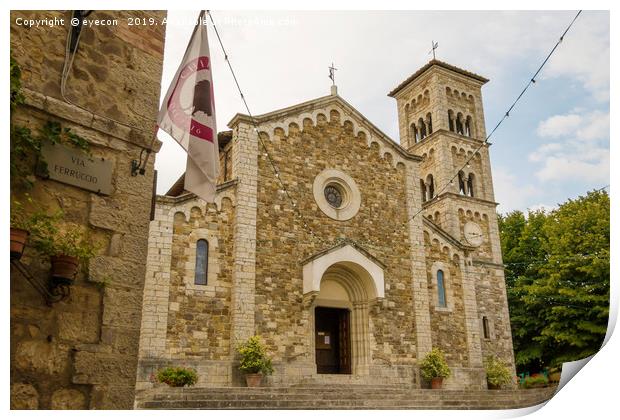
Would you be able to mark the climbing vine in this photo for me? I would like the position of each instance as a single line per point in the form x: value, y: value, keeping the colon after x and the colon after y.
x: 26, y: 145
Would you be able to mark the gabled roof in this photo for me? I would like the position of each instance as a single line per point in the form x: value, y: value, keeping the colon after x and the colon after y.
x: 323, y: 102
x: 342, y: 243
x: 439, y: 64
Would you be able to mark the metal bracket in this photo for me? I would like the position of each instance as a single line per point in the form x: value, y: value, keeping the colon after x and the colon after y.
x: 52, y: 292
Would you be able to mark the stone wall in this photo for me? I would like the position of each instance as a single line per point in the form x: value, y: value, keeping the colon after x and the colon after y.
x: 183, y: 323
x: 282, y: 314
x: 82, y: 352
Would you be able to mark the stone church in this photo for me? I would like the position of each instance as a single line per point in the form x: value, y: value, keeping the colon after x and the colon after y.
x: 374, y: 252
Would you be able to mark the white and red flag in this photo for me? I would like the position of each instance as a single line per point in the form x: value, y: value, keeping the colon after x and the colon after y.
x: 188, y: 115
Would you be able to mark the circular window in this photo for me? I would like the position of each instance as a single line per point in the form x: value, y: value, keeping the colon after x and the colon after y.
x: 333, y: 195
x: 336, y: 194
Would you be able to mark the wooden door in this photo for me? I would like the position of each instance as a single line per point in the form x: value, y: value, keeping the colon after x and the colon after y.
x: 332, y: 340
x: 344, y: 342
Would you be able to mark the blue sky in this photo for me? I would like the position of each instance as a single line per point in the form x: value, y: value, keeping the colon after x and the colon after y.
x: 554, y: 146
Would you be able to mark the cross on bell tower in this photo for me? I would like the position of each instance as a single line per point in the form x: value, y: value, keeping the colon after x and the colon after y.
x: 434, y: 46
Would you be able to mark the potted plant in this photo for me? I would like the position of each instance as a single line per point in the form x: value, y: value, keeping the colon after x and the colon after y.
x: 535, y: 381
x: 555, y: 373
x: 434, y: 368
x: 254, y: 361
x: 497, y: 372
x: 39, y: 226
x: 67, y: 245
x: 177, y: 376
x: 70, y: 247
x: 20, y: 229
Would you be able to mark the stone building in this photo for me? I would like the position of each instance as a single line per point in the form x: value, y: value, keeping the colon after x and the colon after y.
x: 376, y: 252
x: 82, y: 352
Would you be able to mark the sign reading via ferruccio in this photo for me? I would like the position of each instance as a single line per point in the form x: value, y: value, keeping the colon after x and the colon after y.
x: 73, y: 167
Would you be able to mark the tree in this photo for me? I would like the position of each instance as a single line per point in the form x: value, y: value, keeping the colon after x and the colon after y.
x: 557, y: 276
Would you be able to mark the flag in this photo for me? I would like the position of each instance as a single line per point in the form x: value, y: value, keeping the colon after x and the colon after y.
x: 188, y: 115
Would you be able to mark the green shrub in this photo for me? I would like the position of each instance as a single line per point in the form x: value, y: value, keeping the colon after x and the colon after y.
x: 254, y: 357
x: 498, y: 373
x: 177, y: 376
x: 535, y: 380
x: 434, y: 365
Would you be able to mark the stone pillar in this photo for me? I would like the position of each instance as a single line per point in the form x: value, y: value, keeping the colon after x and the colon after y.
x: 156, y: 286
x: 360, y: 339
x: 245, y: 169
x: 472, y: 324
x: 418, y: 265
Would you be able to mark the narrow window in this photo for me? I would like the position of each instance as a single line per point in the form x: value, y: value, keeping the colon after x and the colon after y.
x: 430, y: 123
x: 422, y: 128
x: 441, y: 290
x: 431, y: 187
x: 423, y: 190
x: 462, y: 182
x: 470, y: 185
x: 450, y: 120
x: 459, y: 123
x: 468, y: 126
x: 202, y: 256
x: 485, y: 327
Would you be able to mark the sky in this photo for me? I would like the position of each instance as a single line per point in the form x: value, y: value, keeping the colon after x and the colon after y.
x: 554, y: 146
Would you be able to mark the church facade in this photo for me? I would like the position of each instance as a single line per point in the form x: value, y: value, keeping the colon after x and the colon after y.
x: 375, y: 251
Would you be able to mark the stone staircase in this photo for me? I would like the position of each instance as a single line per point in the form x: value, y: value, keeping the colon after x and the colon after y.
x: 340, y: 397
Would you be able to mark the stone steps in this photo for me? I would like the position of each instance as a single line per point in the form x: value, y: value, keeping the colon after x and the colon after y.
x: 342, y: 397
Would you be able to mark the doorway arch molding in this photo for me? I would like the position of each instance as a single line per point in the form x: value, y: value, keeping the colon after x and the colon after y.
x: 366, y: 268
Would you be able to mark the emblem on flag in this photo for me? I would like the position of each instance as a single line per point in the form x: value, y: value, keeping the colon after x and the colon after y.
x: 188, y: 115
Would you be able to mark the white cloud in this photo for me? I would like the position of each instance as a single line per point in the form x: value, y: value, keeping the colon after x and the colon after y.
x: 559, y: 125
x: 584, y: 54
x: 573, y: 166
x: 584, y: 153
x: 511, y: 193
x: 590, y: 126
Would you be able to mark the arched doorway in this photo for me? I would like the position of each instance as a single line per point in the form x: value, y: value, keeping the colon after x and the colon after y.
x: 341, y: 329
x: 343, y: 281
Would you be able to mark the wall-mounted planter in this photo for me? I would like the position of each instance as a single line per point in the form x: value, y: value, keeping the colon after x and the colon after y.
x: 18, y: 242
x: 64, y: 269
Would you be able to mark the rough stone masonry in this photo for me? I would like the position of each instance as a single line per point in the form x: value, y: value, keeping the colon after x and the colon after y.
x: 83, y: 352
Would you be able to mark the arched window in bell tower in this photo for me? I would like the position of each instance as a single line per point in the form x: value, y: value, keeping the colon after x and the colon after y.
x: 462, y: 183
x: 423, y: 190
x: 430, y: 187
x: 422, y: 128
x: 414, y: 133
x: 470, y: 185
x: 459, y: 123
x: 429, y: 121
x: 468, y: 125
x: 451, y: 120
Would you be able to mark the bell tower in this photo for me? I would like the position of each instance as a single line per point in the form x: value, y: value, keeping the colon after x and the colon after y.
x: 441, y: 118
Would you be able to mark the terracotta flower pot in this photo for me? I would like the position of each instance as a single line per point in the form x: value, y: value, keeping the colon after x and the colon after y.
x: 18, y: 242
x: 436, y: 383
x: 253, y: 380
x: 64, y: 268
